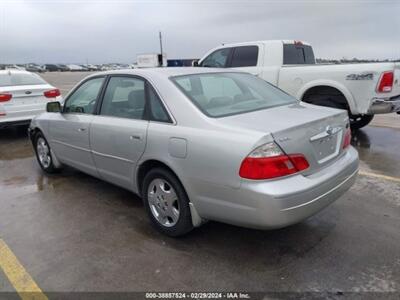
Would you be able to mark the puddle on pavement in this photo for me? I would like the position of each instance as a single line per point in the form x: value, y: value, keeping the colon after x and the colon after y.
x: 16, y: 186
x: 14, y: 180
x: 379, y: 149
x: 14, y: 144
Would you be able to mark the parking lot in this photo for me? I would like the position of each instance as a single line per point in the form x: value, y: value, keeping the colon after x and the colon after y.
x: 74, y: 233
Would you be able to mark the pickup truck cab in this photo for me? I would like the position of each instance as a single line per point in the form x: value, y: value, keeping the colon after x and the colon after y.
x: 362, y: 89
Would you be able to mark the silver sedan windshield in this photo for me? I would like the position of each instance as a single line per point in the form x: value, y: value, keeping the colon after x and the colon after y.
x: 224, y: 94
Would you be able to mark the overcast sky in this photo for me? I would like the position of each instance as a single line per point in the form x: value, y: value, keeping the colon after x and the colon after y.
x: 116, y: 31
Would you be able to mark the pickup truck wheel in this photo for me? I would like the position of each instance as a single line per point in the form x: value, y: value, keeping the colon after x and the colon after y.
x: 359, y: 121
x: 356, y: 121
x: 166, y: 202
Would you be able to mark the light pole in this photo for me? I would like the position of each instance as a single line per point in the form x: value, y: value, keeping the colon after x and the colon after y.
x: 159, y: 34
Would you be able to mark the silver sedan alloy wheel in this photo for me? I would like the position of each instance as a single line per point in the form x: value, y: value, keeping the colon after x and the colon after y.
x: 43, y: 152
x: 163, y: 202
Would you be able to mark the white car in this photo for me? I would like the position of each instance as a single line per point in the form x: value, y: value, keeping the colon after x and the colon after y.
x: 362, y: 89
x: 75, y: 68
x: 23, y: 95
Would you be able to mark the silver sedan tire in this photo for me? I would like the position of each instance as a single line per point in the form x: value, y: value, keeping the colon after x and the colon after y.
x: 166, y: 202
x: 43, y: 154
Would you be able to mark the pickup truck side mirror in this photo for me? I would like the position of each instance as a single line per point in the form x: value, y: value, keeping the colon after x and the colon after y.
x: 195, y: 63
x: 53, y: 107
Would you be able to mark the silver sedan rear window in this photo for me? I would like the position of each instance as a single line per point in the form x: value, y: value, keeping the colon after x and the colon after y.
x: 224, y: 94
x: 13, y: 79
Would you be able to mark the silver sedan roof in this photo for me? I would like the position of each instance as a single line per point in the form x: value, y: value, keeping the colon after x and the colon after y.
x: 166, y: 72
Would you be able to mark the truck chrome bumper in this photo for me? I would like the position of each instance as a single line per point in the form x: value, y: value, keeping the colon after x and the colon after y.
x: 385, y: 105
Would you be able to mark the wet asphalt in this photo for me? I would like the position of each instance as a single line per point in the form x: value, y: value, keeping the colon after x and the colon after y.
x: 73, y: 232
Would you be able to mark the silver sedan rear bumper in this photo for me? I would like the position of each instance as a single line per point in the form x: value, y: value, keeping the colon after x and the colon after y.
x: 283, y: 202
x: 385, y: 105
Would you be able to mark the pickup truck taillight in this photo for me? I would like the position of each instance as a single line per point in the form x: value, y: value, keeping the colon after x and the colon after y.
x: 52, y: 93
x: 4, y: 97
x: 386, y: 82
x: 269, y: 161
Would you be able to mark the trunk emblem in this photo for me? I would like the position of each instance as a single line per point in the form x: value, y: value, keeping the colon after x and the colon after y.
x: 329, y: 131
x: 332, y: 130
x: 28, y: 92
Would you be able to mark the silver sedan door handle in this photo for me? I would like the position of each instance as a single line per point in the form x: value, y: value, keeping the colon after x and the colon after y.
x: 81, y: 129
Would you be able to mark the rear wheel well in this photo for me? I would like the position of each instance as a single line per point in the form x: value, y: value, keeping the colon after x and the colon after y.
x: 313, y: 94
x: 148, y: 165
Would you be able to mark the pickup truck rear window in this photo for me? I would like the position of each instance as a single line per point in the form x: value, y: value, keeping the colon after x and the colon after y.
x: 298, y: 55
x: 225, y: 94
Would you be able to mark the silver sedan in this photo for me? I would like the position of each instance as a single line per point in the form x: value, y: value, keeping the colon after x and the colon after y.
x: 201, y: 144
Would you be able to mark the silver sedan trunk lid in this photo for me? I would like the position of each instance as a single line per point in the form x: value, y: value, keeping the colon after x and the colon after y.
x: 314, y: 131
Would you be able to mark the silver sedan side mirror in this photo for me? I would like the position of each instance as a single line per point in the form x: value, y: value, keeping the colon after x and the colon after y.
x: 53, y: 107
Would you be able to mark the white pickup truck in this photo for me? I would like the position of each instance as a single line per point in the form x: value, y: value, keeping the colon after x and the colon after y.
x: 363, y: 89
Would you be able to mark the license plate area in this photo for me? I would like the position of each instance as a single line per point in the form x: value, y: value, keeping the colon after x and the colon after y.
x: 328, y: 147
x: 27, y: 100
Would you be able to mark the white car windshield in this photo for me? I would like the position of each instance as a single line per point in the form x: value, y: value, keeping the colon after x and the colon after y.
x: 224, y: 94
x: 13, y: 79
